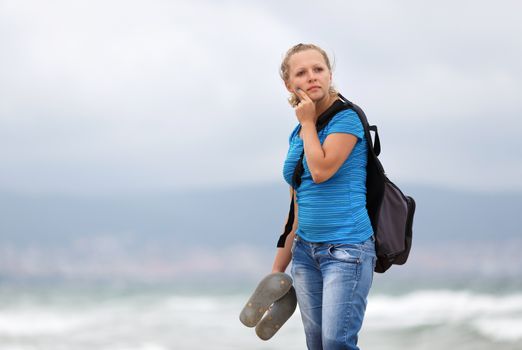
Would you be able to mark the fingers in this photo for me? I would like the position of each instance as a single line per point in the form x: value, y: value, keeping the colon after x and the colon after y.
x: 303, y: 95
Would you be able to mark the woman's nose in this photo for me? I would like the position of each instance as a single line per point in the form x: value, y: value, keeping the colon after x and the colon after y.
x: 311, y: 77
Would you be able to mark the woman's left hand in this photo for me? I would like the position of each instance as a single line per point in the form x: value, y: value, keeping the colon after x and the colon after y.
x: 305, y: 109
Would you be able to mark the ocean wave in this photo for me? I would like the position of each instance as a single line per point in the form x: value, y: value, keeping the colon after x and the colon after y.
x: 130, y: 322
x: 497, y: 317
x: 36, y: 322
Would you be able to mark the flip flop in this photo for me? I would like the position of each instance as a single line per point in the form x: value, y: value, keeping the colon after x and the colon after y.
x: 271, y: 288
x: 277, y: 315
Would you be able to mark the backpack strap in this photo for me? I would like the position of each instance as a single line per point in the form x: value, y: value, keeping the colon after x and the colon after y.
x: 375, y: 146
x: 375, y: 174
x: 289, y: 223
x: 377, y: 143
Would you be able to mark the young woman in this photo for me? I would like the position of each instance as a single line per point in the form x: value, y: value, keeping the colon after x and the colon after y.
x: 331, y: 245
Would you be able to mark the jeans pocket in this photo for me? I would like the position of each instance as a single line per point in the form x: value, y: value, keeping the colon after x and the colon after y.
x: 344, y: 253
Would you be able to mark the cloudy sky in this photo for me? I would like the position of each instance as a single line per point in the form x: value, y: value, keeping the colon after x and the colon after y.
x: 131, y: 96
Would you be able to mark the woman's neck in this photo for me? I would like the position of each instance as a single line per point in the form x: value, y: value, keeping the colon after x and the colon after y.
x: 323, y: 104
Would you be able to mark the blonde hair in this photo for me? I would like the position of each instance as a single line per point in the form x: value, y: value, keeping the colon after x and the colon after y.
x: 284, y: 71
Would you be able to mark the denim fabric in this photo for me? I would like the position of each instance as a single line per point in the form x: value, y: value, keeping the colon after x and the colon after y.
x: 332, y: 282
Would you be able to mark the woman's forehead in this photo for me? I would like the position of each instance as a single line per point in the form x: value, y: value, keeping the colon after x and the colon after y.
x: 306, y: 58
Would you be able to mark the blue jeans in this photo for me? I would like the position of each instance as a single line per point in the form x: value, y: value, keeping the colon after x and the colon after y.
x: 332, y: 282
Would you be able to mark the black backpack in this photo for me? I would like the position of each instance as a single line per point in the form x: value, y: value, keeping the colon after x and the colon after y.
x: 390, y: 211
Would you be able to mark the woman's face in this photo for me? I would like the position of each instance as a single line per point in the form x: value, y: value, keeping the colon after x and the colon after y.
x: 309, y: 72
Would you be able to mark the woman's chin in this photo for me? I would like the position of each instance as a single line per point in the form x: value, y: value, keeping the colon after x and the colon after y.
x: 317, y: 97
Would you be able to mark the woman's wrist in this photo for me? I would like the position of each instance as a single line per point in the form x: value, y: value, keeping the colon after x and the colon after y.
x: 308, y: 125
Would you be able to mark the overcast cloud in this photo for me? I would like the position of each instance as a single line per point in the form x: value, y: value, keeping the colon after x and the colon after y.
x: 125, y: 96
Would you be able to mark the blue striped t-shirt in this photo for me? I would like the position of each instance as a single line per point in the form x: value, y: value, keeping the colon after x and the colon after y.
x: 333, y: 211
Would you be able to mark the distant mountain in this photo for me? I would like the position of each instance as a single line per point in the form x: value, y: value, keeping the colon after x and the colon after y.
x: 253, y: 215
x: 216, y: 217
x: 461, y: 215
x: 234, y: 229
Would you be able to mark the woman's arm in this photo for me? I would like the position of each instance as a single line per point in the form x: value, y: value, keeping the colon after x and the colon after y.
x: 284, y: 255
x: 324, y: 160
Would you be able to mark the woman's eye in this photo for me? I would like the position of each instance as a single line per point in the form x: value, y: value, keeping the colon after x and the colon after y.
x: 300, y: 73
x: 319, y: 69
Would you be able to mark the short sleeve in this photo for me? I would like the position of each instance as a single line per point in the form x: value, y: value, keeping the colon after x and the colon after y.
x: 293, y: 134
x: 347, y: 122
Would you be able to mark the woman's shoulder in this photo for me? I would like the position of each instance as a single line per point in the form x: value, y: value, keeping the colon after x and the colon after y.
x: 345, y: 121
x: 348, y: 114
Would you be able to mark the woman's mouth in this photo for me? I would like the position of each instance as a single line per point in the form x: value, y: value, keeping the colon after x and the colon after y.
x: 313, y: 87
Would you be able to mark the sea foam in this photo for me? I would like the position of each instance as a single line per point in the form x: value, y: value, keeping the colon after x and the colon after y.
x: 498, y: 317
x: 157, y: 321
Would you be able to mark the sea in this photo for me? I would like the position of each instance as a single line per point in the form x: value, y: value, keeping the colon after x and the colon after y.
x: 401, y: 314
x: 119, y: 273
